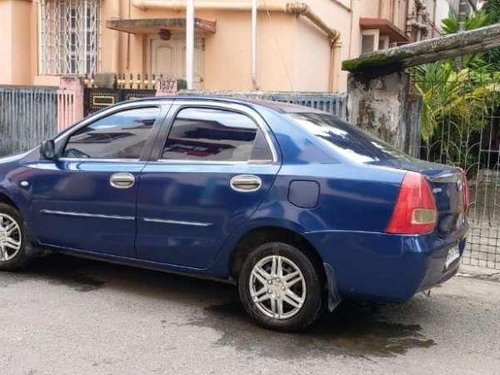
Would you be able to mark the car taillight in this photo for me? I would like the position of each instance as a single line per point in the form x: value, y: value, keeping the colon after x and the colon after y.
x: 415, y: 211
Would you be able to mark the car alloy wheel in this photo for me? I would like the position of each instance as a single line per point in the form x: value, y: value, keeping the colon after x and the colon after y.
x: 277, y: 287
x: 10, y: 238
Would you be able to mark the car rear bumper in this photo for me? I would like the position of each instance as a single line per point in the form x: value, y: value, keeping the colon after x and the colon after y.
x: 384, y: 267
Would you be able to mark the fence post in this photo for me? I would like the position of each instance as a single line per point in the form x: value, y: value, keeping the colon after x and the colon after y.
x: 69, y: 102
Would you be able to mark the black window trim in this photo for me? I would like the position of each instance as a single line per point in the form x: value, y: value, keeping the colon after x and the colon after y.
x: 247, y: 112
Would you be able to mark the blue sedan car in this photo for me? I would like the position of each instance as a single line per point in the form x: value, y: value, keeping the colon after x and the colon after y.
x: 295, y: 206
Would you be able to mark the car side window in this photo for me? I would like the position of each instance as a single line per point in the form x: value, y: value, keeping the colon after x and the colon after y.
x: 121, y: 135
x: 215, y: 135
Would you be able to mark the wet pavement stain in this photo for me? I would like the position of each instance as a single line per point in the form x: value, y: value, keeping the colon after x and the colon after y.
x: 354, y: 329
x: 63, y: 270
x: 83, y: 275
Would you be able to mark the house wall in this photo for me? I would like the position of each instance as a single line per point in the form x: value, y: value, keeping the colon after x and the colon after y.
x: 392, y: 10
x: 353, y: 43
x: 443, y: 9
x: 15, y: 42
x: 370, y: 8
x: 292, y: 53
x: 312, y: 58
x: 6, y: 42
x: 227, y: 52
x: 313, y: 62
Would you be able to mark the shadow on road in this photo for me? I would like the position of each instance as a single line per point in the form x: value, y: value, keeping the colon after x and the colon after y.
x: 354, y: 329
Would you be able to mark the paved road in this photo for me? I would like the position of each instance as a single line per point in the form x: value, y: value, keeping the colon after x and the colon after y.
x: 66, y: 315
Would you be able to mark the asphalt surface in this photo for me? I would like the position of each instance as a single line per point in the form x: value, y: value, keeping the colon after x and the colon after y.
x: 65, y: 315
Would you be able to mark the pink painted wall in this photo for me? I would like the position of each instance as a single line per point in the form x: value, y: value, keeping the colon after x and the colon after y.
x: 6, y: 42
x: 69, y: 102
x: 16, y: 42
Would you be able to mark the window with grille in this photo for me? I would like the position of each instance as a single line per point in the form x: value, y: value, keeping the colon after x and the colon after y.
x: 69, y: 31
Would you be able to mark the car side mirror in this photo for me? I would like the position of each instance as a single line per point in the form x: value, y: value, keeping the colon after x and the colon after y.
x: 48, y: 150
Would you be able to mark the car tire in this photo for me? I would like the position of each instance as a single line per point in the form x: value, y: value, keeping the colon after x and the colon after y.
x: 13, y: 230
x: 296, y: 290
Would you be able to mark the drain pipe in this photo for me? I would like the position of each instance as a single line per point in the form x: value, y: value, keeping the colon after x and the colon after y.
x: 302, y: 9
x: 254, y: 44
x: 333, y: 35
x: 189, y: 44
x: 180, y: 5
x: 295, y: 7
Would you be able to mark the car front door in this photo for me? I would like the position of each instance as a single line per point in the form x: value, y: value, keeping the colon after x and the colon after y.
x: 212, y: 172
x: 86, y: 199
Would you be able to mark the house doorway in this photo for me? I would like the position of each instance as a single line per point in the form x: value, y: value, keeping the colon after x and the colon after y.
x: 168, y: 58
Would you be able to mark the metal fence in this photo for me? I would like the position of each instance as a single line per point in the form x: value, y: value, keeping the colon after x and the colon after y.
x: 28, y: 115
x: 96, y: 99
x: 461, y: 126
x: 335, y: 103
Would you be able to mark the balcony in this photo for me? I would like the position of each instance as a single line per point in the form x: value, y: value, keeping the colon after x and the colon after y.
x: 385, y: 25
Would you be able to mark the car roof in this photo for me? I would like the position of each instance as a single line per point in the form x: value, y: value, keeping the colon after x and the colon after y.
x: 276, y: 106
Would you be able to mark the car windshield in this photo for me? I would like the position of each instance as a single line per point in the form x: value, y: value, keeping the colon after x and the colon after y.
x: 346, y: 139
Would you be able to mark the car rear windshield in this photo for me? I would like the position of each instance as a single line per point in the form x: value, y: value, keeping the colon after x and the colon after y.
x: 346, y: 139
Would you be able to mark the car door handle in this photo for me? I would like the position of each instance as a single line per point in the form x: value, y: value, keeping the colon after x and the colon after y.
x: 246, y: 183
x: 122, y: 180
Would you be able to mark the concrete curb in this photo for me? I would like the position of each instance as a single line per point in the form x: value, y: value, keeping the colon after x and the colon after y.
x: 479, y: 273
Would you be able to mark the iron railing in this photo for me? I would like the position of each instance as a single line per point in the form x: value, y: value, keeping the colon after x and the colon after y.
x: 28, y: 115
x: 334, y: 103
x: 69, y: 36
x: 461, y: 127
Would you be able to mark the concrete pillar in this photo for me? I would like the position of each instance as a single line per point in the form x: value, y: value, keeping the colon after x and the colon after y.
x: 70, y: 96
x: 386, y: 106
x: 382, y: 98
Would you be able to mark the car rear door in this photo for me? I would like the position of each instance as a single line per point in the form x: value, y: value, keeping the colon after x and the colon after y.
x: 86, y: 200
x: 214, y: 165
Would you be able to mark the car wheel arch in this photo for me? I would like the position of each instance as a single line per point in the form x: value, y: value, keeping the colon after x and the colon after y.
x: 263, y: 234
x: 21, y: 204
x: 5, y: 199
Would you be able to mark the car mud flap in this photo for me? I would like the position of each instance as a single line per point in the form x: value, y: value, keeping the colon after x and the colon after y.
x: 331, y: 285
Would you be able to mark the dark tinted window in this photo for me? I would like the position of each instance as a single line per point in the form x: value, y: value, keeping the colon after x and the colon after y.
x: 119, y: 136
x: 346, y: 139
x: 212, y: 134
